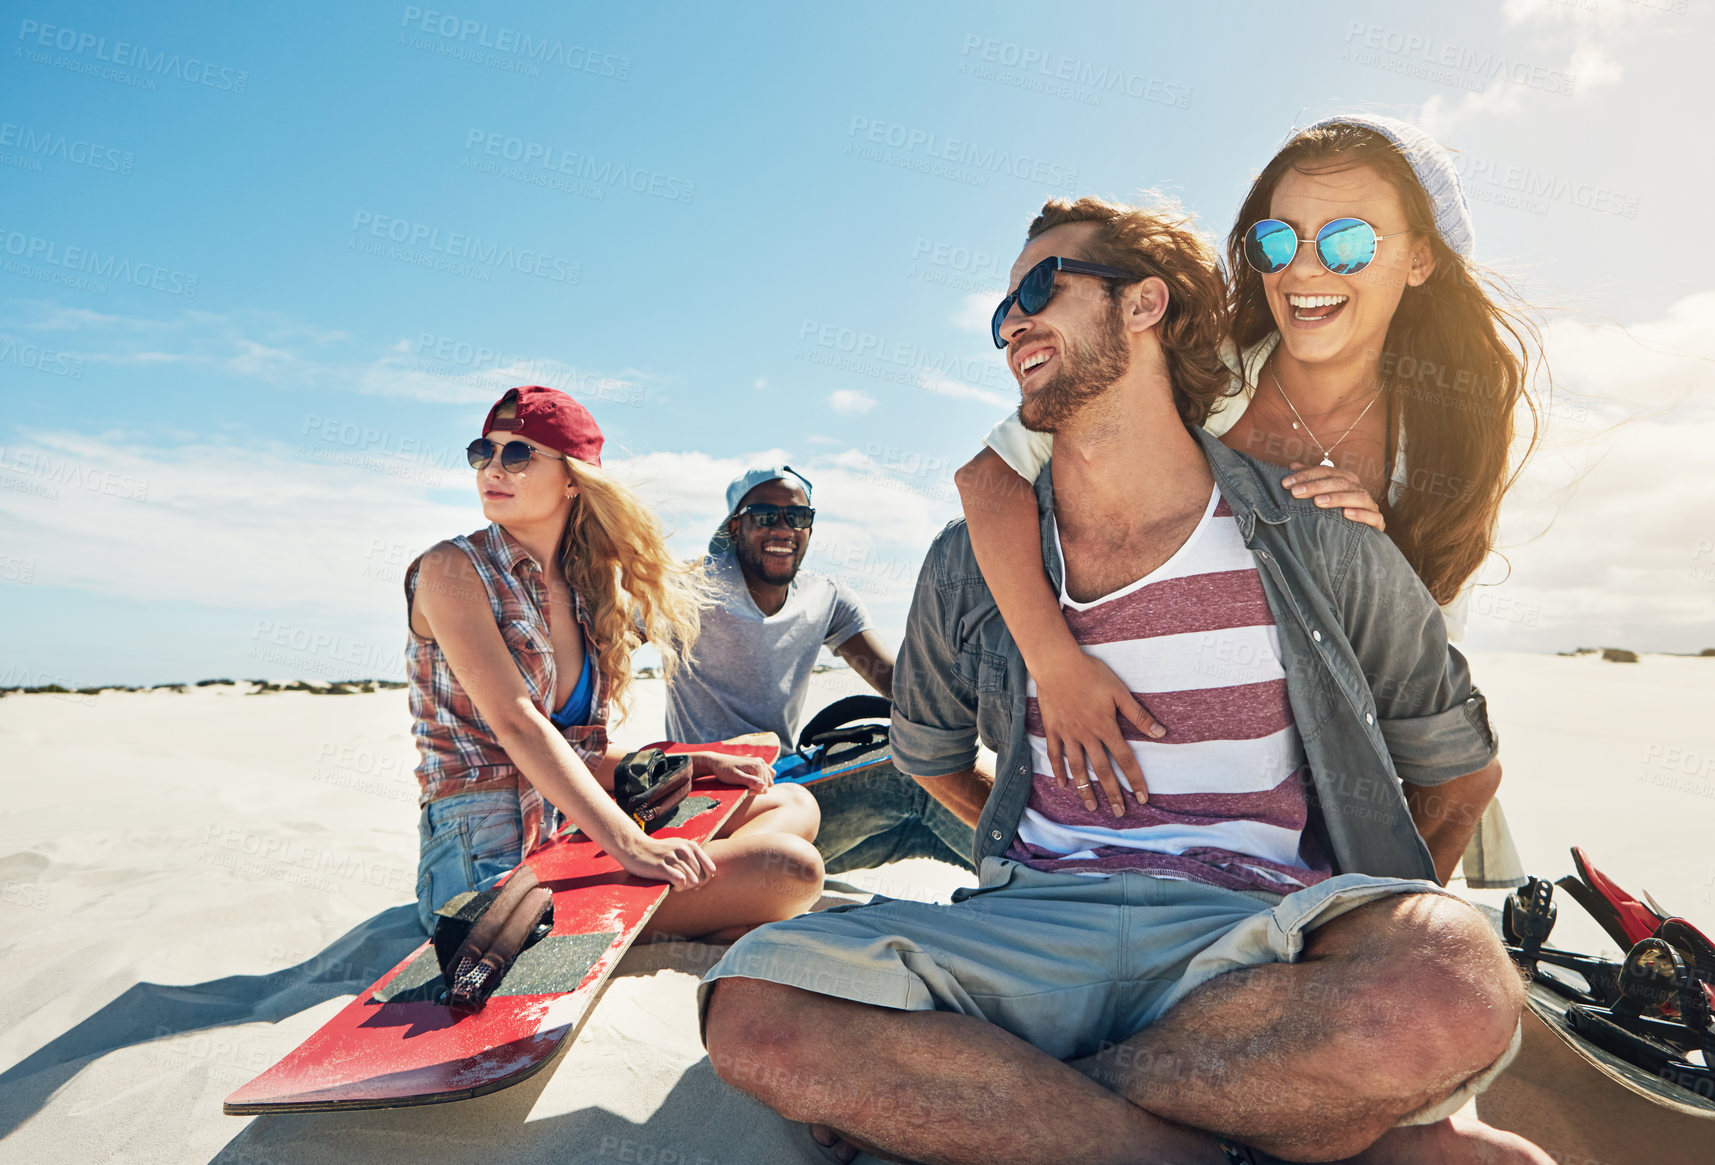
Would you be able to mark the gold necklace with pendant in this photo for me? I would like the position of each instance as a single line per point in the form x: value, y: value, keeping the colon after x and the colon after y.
x: 1299, y: 422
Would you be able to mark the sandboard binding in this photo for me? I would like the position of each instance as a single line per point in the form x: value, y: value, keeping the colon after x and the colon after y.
x: 1645, y: 1020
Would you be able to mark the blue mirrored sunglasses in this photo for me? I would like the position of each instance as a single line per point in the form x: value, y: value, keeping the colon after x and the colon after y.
x: 1345, y: 246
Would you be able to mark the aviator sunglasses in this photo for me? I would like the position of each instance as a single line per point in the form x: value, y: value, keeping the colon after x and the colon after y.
x: 1345, y: 246
x: 767, y: 515
x: 1037, y: 288
x: 513, y: 457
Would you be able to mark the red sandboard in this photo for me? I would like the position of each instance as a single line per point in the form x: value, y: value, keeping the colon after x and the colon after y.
x: 392, y: 1046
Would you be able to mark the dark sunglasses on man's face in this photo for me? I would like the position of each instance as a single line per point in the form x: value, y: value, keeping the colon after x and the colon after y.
x: 513, y: 458
x: 767, y: 515
x: 1037, y: 288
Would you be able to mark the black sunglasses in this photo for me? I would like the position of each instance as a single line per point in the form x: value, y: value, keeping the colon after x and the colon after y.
x: 767, y: 515
x: 1037, y: 288
x: 513, y: 458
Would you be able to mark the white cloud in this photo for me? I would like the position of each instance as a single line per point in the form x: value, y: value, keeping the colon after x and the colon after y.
x: 52, y: 317
x: 261, y: 360
x: 959, y: 390
x: 976, y: 312
x: 850, y: 403
x: 1610, y: 532
x: 466, y: 376
x: 249, y: 343
x: 262, y: 527
x: 401, y: 374
x: 138, y: 358
x: 855, y: 459
x: 474, y: 379
x: 1569, y: 51
x: 222, y: 525
x: 267, y: 346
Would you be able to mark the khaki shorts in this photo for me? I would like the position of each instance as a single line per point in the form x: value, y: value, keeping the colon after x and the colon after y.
x: 1065, y: 962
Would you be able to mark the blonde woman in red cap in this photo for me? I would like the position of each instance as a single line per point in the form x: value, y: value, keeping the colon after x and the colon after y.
x: 521, y: 638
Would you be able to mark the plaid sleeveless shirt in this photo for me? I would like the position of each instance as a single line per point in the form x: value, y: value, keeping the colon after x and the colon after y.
x: 459, y: 751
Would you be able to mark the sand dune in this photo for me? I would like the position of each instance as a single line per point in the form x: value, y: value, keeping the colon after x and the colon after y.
x: 192, y: 883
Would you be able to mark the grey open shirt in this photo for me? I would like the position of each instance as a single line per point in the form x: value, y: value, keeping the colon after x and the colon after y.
x: 1378, y: 694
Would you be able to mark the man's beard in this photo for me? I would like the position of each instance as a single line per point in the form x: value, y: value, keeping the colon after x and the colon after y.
x: 1085, y: 374
x: 773, y: 571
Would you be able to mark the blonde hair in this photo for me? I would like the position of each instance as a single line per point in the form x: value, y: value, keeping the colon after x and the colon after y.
x: 615, y: 557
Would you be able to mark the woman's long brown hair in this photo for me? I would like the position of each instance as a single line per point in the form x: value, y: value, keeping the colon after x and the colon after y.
x: 1456, y: 362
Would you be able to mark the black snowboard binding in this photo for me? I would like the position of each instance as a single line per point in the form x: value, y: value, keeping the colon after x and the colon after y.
x: 1651, y: 1009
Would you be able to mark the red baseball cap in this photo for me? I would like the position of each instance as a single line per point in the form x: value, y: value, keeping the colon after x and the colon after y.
x: 548, y: 416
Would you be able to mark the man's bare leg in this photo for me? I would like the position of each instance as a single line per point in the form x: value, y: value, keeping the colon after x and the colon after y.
x: 1394, y: 1005
x: 927, y: 1086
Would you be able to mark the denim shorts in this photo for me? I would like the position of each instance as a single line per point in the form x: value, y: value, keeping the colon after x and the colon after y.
x: 465, y: 842
x: 1063, y: 961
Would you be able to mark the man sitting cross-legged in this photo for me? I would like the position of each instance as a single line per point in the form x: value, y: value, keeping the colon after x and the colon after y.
x: 1250, y: 954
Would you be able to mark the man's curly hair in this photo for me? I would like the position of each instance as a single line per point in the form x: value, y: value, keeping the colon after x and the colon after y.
x: 1160, y: 240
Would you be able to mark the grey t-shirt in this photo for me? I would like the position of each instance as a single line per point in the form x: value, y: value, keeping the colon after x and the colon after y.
x: 748, y: 673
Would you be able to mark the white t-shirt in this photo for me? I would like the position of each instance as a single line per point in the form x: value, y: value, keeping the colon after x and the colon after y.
x: 1027, y: 452
x: 749, y: 672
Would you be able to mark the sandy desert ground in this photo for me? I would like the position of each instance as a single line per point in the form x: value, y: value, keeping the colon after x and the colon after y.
x: 191, y: 883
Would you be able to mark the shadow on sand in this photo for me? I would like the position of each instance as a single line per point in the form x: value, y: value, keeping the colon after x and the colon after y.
x: 631, y: 1094
x: 702, y: 1121
x: 152, y: 1011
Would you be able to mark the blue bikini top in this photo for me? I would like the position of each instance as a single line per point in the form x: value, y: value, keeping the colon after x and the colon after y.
x: 578, y: 705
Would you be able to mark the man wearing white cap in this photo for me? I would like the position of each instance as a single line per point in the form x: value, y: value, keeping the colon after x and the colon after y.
x: 760, y: 640
x: 750, y: 672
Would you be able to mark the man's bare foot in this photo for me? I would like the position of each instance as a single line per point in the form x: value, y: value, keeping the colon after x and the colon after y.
x: 844, y: 1150
x: 1454, y: 1141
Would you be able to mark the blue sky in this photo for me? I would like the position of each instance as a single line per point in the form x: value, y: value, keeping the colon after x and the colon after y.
x: 261, y: 272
